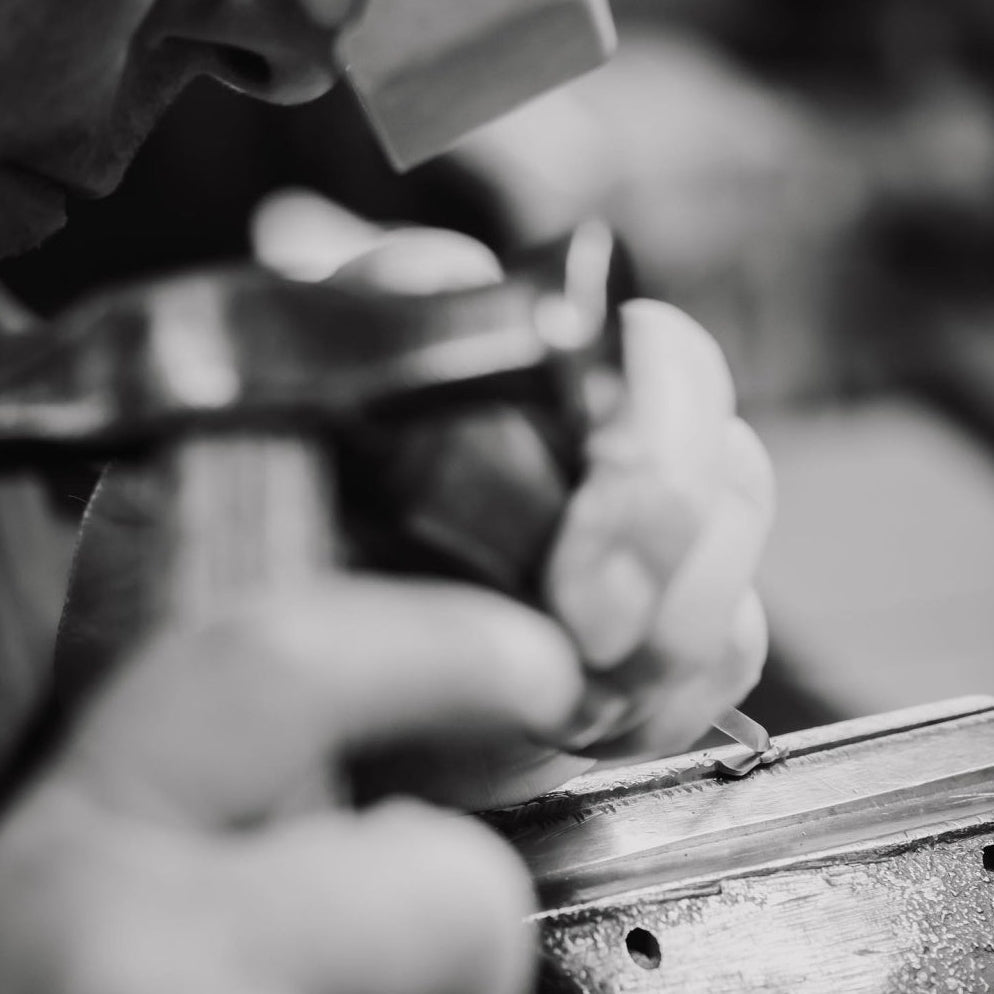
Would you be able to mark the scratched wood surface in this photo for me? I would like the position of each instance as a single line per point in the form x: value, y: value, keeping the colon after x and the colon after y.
x: 915, y: 921
x: 863, y: 862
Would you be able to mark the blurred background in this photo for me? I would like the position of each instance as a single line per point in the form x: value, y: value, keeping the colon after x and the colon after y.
x: 814, y: 183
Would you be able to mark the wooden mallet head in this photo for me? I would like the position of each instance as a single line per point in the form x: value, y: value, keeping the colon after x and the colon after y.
x: 429, y: 71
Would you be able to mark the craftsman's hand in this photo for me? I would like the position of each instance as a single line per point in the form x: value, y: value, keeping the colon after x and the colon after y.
x: 182, y: 838
x: 183, y: 841
x: 652, y: 572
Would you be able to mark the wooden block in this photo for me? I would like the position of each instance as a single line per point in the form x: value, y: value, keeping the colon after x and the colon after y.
x: 863, y: 862
x: 429, y: 72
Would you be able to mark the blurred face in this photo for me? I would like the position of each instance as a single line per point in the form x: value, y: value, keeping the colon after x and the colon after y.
x: 82, y: 82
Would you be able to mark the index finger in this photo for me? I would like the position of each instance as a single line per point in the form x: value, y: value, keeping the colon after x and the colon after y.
x: 213, y: 727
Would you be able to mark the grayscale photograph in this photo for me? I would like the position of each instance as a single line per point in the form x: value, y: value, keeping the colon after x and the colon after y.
x: 496, y: 497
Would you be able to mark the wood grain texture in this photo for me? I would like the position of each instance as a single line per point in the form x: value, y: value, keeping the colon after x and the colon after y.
x: 917, y: 921
x: 857, y: 866
x: 864, y: 784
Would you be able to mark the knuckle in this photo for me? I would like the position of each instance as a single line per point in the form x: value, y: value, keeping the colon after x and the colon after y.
x: 74, y: 918
x: 468, y: 864
x: 94, y: 959
x: 457, y: 843
x: 471, y: 890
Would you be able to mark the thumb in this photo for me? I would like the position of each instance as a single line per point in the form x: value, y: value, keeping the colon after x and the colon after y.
x: 209, y: 727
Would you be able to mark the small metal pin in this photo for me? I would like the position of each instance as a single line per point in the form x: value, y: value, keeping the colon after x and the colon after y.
x: 743, y: 729
x: 753, y: 736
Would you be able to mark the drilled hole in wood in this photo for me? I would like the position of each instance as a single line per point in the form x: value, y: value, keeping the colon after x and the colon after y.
x: 989, y: 858
x: 643, y: 947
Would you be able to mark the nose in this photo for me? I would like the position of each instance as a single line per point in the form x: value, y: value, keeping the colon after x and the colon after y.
x: 271, y: 49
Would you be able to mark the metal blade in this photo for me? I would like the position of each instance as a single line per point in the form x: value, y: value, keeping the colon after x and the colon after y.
x: 743, y: 729
x: 874, y: 782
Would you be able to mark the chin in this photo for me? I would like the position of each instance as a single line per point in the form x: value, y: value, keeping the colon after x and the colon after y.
x: 17, y: 239
x: 26, y: 223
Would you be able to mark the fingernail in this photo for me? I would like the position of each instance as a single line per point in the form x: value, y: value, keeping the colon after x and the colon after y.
x: 599, y: 714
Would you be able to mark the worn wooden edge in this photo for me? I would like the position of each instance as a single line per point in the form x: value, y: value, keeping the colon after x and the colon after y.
x: 907, y: 920
x: 875, y: 850
x: 604, y: 786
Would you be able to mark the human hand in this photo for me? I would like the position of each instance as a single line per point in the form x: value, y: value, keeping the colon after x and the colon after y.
x: 652, y: 572
x: 181, y: 839
x: 181, y: 836
x: 654, y: 566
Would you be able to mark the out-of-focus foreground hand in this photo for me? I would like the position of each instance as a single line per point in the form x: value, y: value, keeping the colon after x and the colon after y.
x: 176, y: 843
x: 183, y: 838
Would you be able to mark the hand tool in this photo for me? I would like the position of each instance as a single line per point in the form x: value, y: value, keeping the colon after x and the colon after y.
x: 428, y: 71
